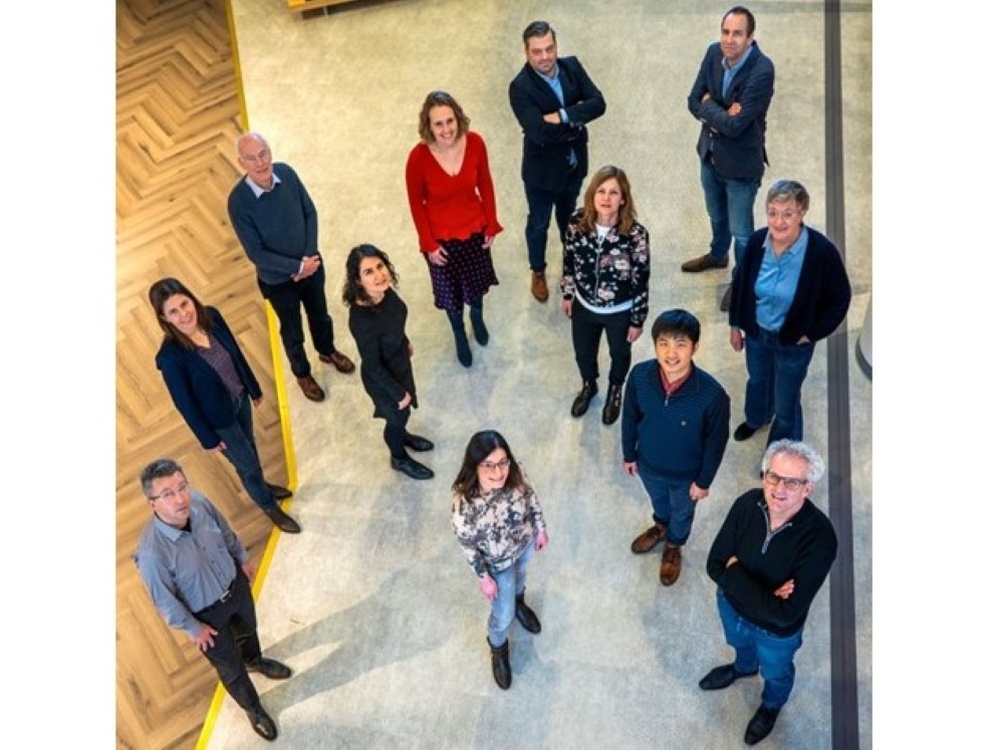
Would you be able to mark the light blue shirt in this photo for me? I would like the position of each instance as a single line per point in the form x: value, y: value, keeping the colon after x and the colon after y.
x: 257, y: 189
x: 777, y: 281
x: 556, y: 86
x: 728, y: 73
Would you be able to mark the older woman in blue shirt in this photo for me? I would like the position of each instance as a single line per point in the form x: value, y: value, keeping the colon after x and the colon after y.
x: 789, y: 291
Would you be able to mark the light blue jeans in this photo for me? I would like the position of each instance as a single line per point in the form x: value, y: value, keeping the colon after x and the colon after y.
x: 510, y: 585
x: 756, y: 647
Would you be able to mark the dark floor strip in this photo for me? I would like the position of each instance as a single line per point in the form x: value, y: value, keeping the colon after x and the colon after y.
x: 843, y: 642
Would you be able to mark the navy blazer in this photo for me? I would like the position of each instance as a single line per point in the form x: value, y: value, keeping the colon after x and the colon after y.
x: 737, y: 143
x: 821, y: 299
x: 196, y: 388
x: 545, y: 155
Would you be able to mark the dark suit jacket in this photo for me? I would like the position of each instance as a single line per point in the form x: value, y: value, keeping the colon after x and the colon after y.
x: 821, y: 298
x: 545, y: 157
x: 737, y: 143
x: 197, y: 390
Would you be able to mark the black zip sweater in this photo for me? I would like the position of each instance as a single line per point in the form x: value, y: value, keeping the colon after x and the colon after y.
x: 803, y: 550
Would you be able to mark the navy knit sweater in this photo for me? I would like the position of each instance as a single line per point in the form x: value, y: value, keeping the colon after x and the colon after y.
x: 682, y: 437
x: 278, y: 229
x: 803, y: 550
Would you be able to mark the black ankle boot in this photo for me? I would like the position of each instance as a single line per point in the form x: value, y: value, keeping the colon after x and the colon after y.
x: 461, y: 340
x: 478, y: 326
x: 501, y: 664
x: 582, y: 401
x: 612, y: 405
x: 526, y: 616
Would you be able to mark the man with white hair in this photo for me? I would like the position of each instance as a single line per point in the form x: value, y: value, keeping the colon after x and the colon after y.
x: 275, y: 221
x: 769, y: 559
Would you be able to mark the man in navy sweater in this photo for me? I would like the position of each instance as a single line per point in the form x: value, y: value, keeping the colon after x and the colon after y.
x: 275, y: 221
x: 771, y: 556
x: 675, y: 425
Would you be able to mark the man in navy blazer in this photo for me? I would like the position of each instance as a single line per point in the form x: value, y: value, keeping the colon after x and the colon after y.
x: 553, y: 99
x: 730, y: 97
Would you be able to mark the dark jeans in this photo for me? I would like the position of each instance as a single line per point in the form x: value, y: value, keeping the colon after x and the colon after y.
x: 236, y: 642
x: 241, y: 450
x: 286, y: 300
x: 540, y: 204
x: 672, y: 503
x: 729, y: 204
x: 587, y: 329
x: 774, y: 387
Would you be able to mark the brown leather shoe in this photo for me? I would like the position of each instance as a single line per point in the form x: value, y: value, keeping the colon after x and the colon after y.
x: 703, y: 263
x: 539, y: 287
x: 670, y: 564
x: 648, y: 539
x: 311, y: 388
x: 339, y: 360
x: 727, y: 298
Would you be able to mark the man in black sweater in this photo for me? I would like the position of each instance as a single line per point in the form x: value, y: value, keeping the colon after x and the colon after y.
x: 771, y: 556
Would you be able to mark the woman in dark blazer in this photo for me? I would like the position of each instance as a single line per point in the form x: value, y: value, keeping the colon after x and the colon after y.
x: 789, y: 291
x: 377, y: 320
x: 211, y: 385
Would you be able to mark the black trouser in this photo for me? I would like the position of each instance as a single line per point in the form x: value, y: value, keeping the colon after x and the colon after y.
x: 394, y: 432
x: 587, y: 328
x: 286, y: 299
x: 236, y: 642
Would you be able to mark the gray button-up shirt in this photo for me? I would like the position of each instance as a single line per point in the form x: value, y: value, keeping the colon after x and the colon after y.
x: 187, y: 570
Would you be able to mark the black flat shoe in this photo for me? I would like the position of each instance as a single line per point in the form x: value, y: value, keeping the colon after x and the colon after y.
x: 744, y: 432
x: 582, y: 401
x: 279, y: 492
x: 417, y: 443
x: 722, y: 677
x: 760, y: 725
x: 270, y: 668
x: 263, y: 724
x: 412, y: 469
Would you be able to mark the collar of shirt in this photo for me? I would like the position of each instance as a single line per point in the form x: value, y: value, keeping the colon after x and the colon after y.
x: 671, y: 388
x: 797, y: 247
x: 257, y: 189
x: 734, y: 68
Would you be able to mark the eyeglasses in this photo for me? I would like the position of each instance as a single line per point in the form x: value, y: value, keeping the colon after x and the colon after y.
x: 503, y: 463
x: 171, y: 495
x: 791, y: 483
x: 258, y: 158
x: 783, y: 215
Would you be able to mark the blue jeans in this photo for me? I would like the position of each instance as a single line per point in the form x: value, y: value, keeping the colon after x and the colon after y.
x: 241, y: 450
x: 540, y: 204
x: 730, y: 211
x: 774, y: 386
x: 756, y: 647
x: 672, y: 503
x: 510, y: 584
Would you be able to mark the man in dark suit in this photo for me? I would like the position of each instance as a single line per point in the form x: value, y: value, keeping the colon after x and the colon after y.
x: 553, y: 98
x: 730, y: 97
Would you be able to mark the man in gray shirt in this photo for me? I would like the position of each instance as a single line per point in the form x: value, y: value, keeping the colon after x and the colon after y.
x: 198, y: 574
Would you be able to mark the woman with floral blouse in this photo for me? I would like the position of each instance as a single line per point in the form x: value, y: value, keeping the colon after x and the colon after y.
x: 498, y: 521
x: 605, y: 285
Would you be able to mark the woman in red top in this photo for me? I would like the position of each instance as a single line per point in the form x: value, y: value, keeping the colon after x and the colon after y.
x: 451, y: 197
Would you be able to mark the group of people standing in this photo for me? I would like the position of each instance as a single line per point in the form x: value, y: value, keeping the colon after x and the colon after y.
x: 789, y: 290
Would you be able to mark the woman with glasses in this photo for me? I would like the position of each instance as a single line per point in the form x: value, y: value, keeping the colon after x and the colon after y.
x: 789, y: 291
x: 377, y: 320
x: 499, y: 524
x: 450, y: 190
x: 212, y: 386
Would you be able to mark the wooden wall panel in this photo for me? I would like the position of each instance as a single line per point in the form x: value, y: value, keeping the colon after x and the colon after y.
x: 177, y: 116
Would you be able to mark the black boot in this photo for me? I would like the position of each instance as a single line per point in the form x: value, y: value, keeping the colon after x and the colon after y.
x: 582, y: 401
x: 612, y: 405
x: 461, y: 340
x: 526, y: 616
x: 501, y: 664
x: 478, y: 326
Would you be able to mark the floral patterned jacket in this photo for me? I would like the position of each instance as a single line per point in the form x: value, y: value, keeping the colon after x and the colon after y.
x: 494, y: 529
x: 608, y: 273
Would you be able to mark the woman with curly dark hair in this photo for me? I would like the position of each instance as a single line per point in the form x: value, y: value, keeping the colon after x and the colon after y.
x: 377, y: 320
x: 499, y: 523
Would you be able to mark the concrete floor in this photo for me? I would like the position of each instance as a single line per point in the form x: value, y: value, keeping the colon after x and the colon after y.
x: 373, y: 605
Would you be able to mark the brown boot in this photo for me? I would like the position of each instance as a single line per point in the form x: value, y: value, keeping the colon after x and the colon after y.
x: 670, y: 564
x: 648, y: 539
x: 539, y: 287
x: 311, y: 388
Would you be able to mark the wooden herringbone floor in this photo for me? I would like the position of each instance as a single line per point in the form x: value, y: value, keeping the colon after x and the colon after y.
x: 177, y: 115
